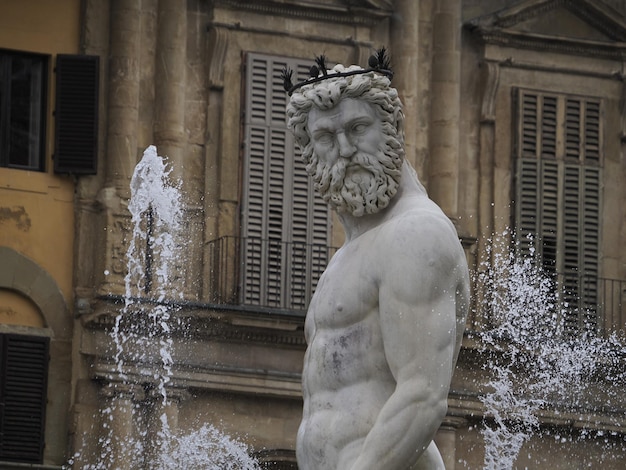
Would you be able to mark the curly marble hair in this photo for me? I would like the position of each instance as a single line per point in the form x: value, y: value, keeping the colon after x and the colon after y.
x: 371, y: 87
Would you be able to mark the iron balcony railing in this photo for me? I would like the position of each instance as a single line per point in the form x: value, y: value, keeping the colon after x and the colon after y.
x: 282, y: 276
x: 591, y: 304
x: 265, y: 273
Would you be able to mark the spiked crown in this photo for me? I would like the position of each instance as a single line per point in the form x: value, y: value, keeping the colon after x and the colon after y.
x: 378, y: 62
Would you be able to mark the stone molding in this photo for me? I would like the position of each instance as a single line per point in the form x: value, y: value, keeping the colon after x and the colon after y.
x: 499, y: 29
x: 134, y: 384
x: 492, y: 80
x: 365, y: 13
x: 23, y: 275
x: 218, y: 38
x: 209, y: 322
x: 589, y: 11
x: 469, y: 408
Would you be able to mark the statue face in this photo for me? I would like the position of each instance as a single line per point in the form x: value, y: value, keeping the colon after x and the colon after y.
x: 351, y: 126
x: 352, y: 172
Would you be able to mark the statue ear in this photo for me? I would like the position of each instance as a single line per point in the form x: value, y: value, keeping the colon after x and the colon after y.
x: 398, y: 116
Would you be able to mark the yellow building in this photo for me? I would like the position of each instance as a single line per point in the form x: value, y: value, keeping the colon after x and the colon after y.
x: 36, y: 230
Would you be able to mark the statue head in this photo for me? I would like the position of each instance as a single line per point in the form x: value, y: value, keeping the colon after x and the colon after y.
x: 359, y: 192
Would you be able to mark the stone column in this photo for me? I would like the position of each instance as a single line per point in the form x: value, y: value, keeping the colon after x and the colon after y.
x: 121, y: 154
x: 486, y: 164
x: 170, y: 132
x: 120, y: 433
x: 213, y: 206
x: 404, y: 57
x: 163, y: 421
x: 424, y: 95
x: 169, y: 123
x: 123, y: 109
x: 445, y: 107
x: 446, y: 440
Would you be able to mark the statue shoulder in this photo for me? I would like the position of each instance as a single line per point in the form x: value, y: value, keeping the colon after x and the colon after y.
x: 421, y: 228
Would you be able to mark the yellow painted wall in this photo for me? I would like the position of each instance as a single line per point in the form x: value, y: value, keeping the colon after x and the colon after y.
x: 36, y: 208
x: 15, y: 309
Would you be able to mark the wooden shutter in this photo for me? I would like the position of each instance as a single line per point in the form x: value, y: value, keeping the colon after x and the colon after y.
x: 548, y: 120
x: 559, y: 147
x: 281, y: 215
x: 591, y: 132
x: 76, y: 114
x: 23, y: 391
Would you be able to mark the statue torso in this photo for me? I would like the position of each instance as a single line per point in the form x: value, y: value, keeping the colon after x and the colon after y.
x: 346, y: 378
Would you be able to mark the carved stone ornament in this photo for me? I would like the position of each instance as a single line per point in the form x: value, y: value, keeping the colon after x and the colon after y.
x: 534, y: 24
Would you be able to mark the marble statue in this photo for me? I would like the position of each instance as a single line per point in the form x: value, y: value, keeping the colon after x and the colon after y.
x: 385, y: 324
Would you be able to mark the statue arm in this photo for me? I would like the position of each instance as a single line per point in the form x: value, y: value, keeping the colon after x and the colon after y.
x: 418, y: 321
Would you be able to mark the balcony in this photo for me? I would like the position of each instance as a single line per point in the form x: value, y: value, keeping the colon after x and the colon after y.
x: 265, y: 274
x: 592, y: 304
x: 278, y: 276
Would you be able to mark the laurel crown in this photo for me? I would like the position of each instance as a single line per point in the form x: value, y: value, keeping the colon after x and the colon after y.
x: 378, y: 62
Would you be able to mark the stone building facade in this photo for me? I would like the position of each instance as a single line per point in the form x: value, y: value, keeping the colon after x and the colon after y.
x: 515, y: 118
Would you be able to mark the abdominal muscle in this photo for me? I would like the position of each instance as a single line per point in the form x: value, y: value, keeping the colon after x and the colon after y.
x: 346, y: 381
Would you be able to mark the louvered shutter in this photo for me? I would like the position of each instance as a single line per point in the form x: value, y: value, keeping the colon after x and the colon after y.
x: 559, y: 142
x: 571, y: 246
x: 76, y: 114
x: 23, y: 391
x: 590, y: 238
x: 549, y: 214
x: 281, y: 215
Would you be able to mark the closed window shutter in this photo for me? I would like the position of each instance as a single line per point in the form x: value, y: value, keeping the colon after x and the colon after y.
x: 23, y: 391
x: 548, y: 120
x: 76, y: 114
x: 281, y: 216
x: 590, y: 239
x: 591, y: 132
x: 571, y: 246
x: 559, y: 142
x: 549, y: 215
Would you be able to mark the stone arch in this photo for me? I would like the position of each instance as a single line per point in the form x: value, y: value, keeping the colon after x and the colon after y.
x: 19, y: 273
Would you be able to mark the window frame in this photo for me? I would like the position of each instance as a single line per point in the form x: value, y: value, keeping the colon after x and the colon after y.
x: 284, y: 246
x: 37, y: 151
x: 558, y: 195
x: 22, y: 405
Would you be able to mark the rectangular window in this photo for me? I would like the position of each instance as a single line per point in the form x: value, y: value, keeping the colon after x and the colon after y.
x: 285, y: 226
x: 23, y: 85
x: 559, y: 156
x: 23, y: 392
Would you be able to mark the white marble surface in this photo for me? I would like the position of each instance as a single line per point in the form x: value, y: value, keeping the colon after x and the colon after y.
x: 384, y: 326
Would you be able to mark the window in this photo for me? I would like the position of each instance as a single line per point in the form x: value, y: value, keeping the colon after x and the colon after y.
x: 559, y: 156
x: 285, y: 225
x: 23, y: 390
x: 23, y: 84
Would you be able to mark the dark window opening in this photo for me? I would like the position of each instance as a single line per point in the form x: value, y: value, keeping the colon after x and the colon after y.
x: 23, y: 84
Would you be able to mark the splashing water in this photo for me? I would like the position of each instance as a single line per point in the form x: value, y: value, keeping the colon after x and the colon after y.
x: 142, y: 341
x: 526, y: 339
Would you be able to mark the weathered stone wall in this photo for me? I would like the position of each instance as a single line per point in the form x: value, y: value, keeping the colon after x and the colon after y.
x: 172, y: 76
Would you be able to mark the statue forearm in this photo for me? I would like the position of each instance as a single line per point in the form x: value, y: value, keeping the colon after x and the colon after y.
x: 403, y: 430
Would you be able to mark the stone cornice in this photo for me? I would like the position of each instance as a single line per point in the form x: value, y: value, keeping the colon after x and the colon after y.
x: 470, y: 408
x: 181, y: 380
x: 542, y: 43
x: 353, y: 12
x: 502, y: 28
x: 207, y: 322
x: 597, y: 14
